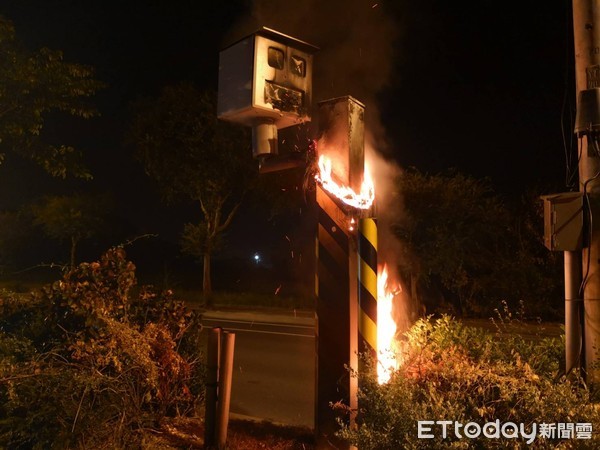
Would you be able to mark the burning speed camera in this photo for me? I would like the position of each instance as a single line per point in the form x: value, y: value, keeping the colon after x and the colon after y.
x: 265, y: 82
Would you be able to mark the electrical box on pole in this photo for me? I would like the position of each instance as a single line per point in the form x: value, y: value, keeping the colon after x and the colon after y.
x: 587, y: 119
x: 563, y: 221
x: 342, y: 129
x: 563, y: 231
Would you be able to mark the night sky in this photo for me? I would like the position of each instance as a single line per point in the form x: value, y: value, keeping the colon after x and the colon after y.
x: 481, y: 86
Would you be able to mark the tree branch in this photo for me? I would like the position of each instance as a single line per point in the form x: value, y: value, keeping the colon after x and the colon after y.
x: 136, y: 238
x: 17, y: 377
x: 204, y: 210
x: 229, y: 217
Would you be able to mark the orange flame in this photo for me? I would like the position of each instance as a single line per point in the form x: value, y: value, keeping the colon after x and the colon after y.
x: 363, y: 200
x: 387, y: 360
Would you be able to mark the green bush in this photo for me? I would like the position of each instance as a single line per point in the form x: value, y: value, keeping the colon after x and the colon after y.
x: 453, y: 372
x: 87, y: 364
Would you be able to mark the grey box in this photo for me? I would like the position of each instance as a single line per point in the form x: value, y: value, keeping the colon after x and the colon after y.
x: 267, y: 75
x: 563, y: 221
x: 342, y: 138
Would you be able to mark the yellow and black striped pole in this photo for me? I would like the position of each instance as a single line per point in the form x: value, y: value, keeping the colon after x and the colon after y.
x: 367, y: 286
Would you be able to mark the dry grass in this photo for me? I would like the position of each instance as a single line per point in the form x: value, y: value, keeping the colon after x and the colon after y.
x: 188, y: 433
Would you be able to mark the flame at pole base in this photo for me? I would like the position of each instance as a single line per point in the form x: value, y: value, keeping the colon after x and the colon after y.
x: 362, y: 200
x: 387, y: 360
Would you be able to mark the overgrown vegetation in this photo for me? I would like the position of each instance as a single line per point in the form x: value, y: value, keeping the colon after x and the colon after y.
x: 463, y: 374
x: 86, y: 363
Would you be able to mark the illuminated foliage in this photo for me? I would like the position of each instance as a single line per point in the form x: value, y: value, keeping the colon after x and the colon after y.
x: 89, y: 363
x: 464, y: 374
x: 32, y: 86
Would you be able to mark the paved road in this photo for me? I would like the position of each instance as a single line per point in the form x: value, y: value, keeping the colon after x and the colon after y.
x: 274, y: 369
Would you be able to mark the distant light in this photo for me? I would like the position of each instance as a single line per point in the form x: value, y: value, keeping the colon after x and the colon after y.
x: 256, y: 258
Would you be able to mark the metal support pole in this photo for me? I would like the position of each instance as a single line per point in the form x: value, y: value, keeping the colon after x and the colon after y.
x: 586, y: 32
x: 353, y: 315
x: 573, y: 311
x: 367, y: 277
x: 225, y: 378
x: 212, y: 379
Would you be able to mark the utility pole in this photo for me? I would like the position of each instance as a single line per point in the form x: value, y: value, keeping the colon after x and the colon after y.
x: 586, y: 31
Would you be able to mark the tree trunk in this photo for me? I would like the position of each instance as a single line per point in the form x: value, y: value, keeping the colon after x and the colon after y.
x: 206, y: 280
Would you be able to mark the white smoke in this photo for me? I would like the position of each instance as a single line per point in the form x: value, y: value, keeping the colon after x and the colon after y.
x: 388, y: 207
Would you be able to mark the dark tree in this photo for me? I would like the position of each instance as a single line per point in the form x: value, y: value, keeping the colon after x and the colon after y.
x: 192, y: 154
x: 461, y: 240
x: 32, y: 86
x: 452, y: 230
x: 72, y: 218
